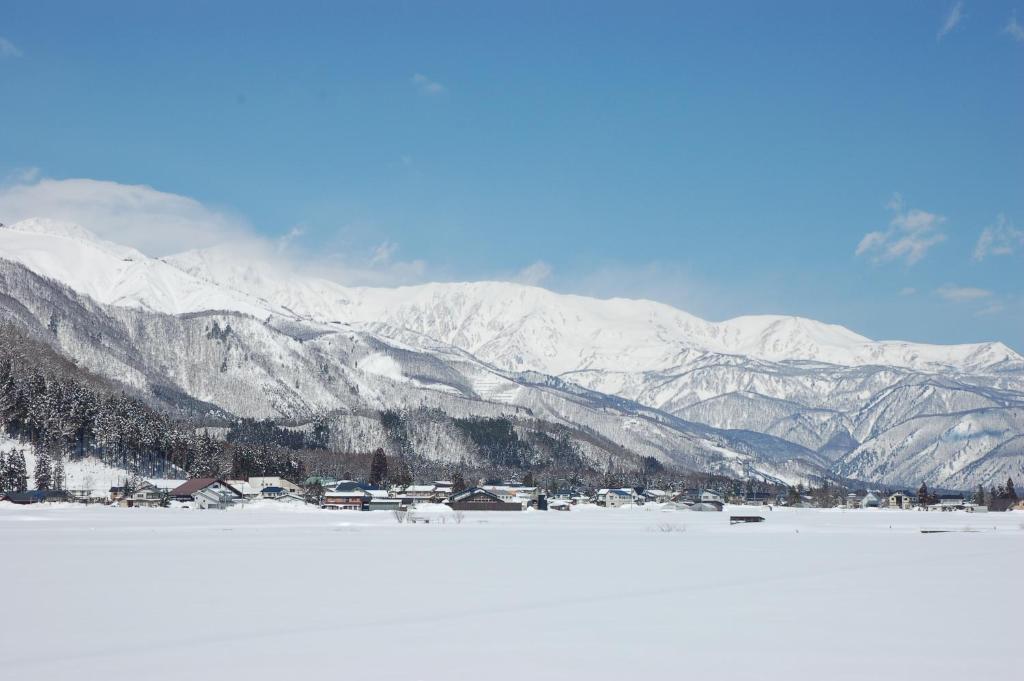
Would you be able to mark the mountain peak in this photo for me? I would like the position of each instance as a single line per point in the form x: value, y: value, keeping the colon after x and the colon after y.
x: 50, y: 227
x: 511, y: 326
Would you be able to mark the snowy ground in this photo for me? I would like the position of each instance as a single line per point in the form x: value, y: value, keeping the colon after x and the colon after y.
x: 283, y: 593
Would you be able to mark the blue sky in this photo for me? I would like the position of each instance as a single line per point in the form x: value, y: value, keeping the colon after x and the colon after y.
x: 728, y: 158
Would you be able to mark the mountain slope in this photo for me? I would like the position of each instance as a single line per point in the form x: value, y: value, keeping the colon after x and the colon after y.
x: 760, y: 393
x: 228, y: 363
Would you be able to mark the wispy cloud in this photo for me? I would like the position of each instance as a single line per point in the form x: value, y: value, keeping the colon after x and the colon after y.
x: 909, y: 236
x: 1002, y: 238
x: 952, y: 20
x: 962, y: 294
x: 535, y: 274
x: 160, y: 223
x: 908, y: 291
x: 383, y: 253
x: 157, y: 223
x: 21, y: 176
x: 427, y: 86
x: 1014, y: 29
x: 285, y: 241
x: 995, y: 307
x: 9, y: 49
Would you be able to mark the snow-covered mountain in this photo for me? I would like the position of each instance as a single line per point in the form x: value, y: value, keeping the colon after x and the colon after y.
x: 786, y: 388
x: 522, y: 328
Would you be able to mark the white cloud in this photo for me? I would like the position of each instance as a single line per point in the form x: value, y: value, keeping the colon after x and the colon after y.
x: 426, y: 86
x: 9, y: 49
x: 21, y: 176
x: 953, y: 18
x: 383, y: 253
x: 1002, y: 238
x: 155, y: 222
x: 1014, y: 29
x: 908, y: 291
x: 368, y: 269
x: 911, y: 233
x: 995, y: 307
x: 285, y: 240
x: 962, y: 294
x: 159, y: 223
x: 535, y: 274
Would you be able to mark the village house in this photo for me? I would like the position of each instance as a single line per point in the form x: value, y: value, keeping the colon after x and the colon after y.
x: 614, y: 498
x: 709, y: 496
x: 690, y: 495
x: 526, y: 496
x: 86, y: 496
x: 478, y: 499
x: 145, y: 494
x: 426, y: 493
x: 949, y: 502
x: 378, y: 503
x: 289, y: 498
x: 870, y: 500
x: 758, y: 499
x: 347, y: 495
x: 655, y: 496
x: 207, y: 493
x: 273, y: 492
x: 901, y: 499
x: 166, y: 484
x: 245, y: 489
x: 569, y: 494
x: 263, y: 482
x: 435, y: 493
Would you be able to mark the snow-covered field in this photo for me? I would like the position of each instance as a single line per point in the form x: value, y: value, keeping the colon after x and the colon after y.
x: 269, y: 592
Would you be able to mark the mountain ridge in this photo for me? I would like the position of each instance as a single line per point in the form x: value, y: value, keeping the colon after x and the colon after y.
x: 756, y: 381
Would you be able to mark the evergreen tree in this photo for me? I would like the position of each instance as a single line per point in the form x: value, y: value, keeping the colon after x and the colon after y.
x: 458, y: 483
x: 18, y: 471
x: 205, y: 462
x: 321, y: 436
x: 5, y: 474
x: 314, y: 493
x: 979, y: 496
x: 44, y: 471
x: 58, y: 474
x: 922, y: 495
x: 403, y: 476
x: 379, y: 468
x: 1011, y: 493
x: 528, y: 480
x: 792, y: 497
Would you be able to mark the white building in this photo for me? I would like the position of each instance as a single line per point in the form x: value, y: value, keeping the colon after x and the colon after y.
x: 614, y: 498
x: 709, y: 497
